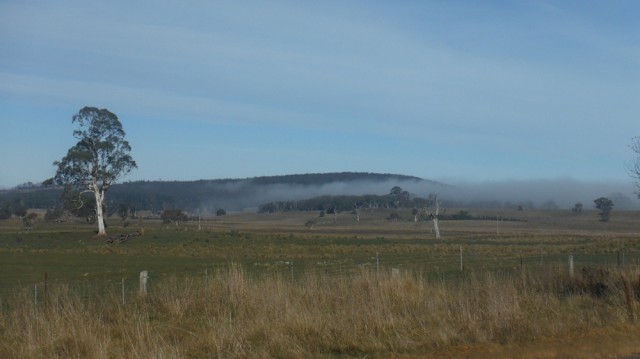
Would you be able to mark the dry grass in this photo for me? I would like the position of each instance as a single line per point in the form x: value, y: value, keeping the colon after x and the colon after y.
x: 365, y: 315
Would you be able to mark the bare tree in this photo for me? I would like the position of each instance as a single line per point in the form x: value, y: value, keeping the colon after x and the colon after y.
x: 634, y: 166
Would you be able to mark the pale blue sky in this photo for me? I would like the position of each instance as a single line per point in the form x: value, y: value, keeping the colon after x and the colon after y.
x: 466, y: 90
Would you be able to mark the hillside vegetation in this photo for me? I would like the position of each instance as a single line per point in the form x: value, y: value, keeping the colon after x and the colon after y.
x: 209, y: 195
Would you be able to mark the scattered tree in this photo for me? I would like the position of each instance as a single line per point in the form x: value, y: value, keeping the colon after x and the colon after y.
x: 29, y: 220
x: 54, y: 214
x: 221, y: 212
x: 605, y: 205
x: 99, y: 158
x: 399, y: 197
x: 123, y: 211
x: 394, y: 216
x: 5, y: 211
x: 173, y: 215
x: 577, y: 208
x: 634, y: 167
x: 462, y: 215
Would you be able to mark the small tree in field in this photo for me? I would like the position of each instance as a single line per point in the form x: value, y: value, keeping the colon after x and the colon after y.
x: 577, y: 208
x: 123, y: 211
x: 605, y: 205
x: 99, y: 158
x: 173, y: 215
x: 634, y: 167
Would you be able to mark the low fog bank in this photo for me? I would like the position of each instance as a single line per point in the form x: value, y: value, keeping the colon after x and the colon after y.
x: 251, y: 196
x: 546, y: 193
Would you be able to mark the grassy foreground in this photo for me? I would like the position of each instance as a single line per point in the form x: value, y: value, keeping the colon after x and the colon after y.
x: 370, y: 289
x: 236, y: 315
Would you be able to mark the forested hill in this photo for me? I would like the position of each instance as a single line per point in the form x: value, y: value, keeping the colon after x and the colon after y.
x: 324, y: 178
x: 230, y: 194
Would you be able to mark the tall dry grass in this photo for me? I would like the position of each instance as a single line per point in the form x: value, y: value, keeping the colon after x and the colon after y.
x: 241, y: 316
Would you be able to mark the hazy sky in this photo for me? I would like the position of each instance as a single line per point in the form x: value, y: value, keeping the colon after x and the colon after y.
x: 468, y: 90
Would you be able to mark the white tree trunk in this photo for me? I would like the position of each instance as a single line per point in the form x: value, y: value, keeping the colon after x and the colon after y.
x: 436, y: 229
x: 99, y: 215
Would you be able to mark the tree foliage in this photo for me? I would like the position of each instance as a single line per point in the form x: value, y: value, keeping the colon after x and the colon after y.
x: 123, y: 211
x: 173, y: 215
x: 577, y: 208
x: 605, y: 205
x: 99, y: 158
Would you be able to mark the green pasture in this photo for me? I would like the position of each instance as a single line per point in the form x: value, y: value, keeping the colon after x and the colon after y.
x: 280, y: 243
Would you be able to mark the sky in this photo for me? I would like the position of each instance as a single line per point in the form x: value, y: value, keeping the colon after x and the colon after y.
x: 445, y: 90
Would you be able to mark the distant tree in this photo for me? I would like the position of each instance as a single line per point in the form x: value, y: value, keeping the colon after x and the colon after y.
x: 123, y: 211
x: 634, y: 167
x: 18, y: 208
x: 415, y: 213
x: 310, y: 223
x: 605, y: 205
x: 462, y: 215
x: 29, y: 219
x: 5, y: 211
x: 394, y: 216
x: 173, y: 215
x: 221, y: 212
x: 99, y: 158
x: 577, y: 208
x: 334, y: 211
x: 54, y: 214
x: 399, y: 196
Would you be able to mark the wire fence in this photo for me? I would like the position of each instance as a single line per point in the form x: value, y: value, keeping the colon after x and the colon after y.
x: 442, y: 266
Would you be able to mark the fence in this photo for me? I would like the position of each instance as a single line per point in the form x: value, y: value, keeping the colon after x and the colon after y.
x: 445, y: 266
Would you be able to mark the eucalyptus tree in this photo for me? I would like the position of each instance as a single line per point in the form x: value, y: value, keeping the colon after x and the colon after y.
x: 99, y: 158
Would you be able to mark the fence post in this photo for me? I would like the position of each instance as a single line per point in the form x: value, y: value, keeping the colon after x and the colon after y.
x: 292, y: 271
x: 206, y: 279
x: 541, y: 254
x: 144, y: 275
x: 461, y: 264
x: 123, y: 301
x: 571, y: 266
x: 35, y: 294
x: 377, y: 264
x: 46, y: 280
x: 618, y: 258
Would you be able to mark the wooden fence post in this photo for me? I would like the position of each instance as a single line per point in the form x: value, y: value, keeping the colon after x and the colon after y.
x: 144, y: 275
x: 571, y: 266
x: 46, y: 284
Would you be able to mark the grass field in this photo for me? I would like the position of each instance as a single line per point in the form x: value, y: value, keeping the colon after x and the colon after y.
x: 266, y: 285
